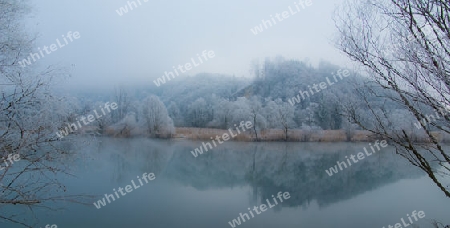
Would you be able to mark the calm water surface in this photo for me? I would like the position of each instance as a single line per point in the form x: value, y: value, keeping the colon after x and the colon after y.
x: 212, y: 189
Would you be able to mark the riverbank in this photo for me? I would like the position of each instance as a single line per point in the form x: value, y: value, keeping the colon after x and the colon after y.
x: 268, y: 135
x: 272, y: 135
x: 296, y: 135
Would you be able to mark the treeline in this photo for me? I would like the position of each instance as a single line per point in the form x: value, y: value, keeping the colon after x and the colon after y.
x: 220, y: 101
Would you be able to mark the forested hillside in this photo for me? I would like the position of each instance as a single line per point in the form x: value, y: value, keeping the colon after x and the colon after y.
x: 283, y: 94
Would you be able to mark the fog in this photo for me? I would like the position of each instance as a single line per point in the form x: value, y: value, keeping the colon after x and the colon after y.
x: 147, y: 41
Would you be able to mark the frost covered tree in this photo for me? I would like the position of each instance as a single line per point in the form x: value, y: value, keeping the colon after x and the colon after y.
x: 286, y: 113
x: 198, y: 113
x: 104, y: 121
x: 280, y: 115
x: 249, y: 110
x: 323, y: 114
x: 126, y: 127
x: 272, y: 115
x: 29, y: 118
x: 222, y: 117
x: 256, y: 117
x: 123, y: 103
x: 404, y: 46
x: 175, y: 114
x: 241, y: 110
x: 156, y: 118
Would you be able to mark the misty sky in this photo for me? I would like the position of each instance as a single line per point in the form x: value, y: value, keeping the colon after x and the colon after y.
x: 143, y: 43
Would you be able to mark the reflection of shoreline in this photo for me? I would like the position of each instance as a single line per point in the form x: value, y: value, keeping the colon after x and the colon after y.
x: 266, y: 167
x: 299, y: 172
x: 360, y: 156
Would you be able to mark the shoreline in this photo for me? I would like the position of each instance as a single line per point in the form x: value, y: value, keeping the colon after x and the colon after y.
x: 276, y: 135
x: 268, y: 135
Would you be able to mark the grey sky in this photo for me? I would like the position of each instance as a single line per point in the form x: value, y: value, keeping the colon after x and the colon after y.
x: 140, y: 45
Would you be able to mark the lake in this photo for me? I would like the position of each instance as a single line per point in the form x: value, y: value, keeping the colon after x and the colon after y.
x: 214, y: 188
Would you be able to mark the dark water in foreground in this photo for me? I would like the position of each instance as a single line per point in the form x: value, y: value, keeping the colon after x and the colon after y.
x: 212, y: 189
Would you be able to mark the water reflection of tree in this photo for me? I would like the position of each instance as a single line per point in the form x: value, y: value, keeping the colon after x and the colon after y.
x: 299, y: 169
x: 267, y: 187
x: 137, y: 156
x: 267, y: 168
x: 252, y: 176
